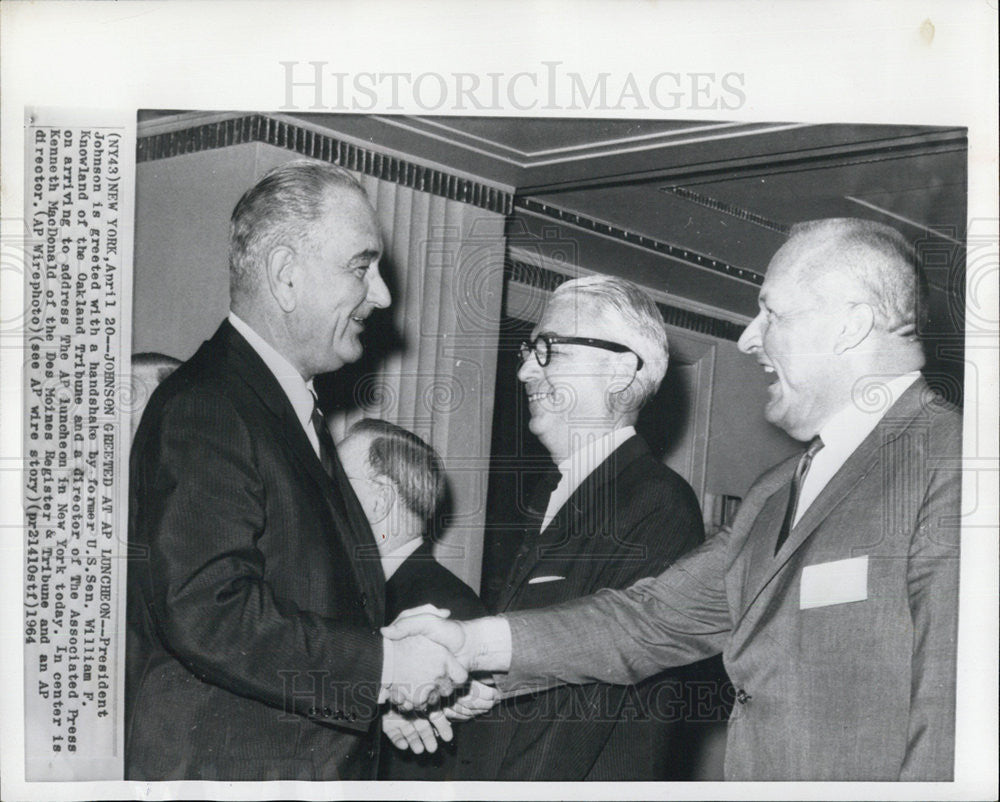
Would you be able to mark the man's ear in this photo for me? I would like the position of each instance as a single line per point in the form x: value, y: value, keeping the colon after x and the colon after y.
x: 624, y: 368
x: 385, y: 499
x: 281, y: 277
x: 857, y: 325
x: 622, y: 386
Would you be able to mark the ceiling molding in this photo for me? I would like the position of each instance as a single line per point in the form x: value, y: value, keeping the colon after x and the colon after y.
x: 797, y: 161
x: 166, y: 123
x: 899, y: 218
x: 636, y: 240
x: 596, y: 145
x: 529, y: 255
x: 728, y: 209
x: 313, y: 142
x: 581, y: 152
x: 370, y: 143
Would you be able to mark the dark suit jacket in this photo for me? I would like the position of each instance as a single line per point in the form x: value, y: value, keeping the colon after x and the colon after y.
x: 630, y: 518
x: 423, y: 580
x: 856, y: 690
x: 255, y: 588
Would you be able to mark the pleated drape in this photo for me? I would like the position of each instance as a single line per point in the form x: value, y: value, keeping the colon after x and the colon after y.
x: 444, y: 261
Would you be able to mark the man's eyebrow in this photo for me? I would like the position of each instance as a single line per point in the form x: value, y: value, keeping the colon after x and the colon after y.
x: 368, y: 255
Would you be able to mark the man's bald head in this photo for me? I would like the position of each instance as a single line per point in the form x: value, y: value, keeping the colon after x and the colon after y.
x: 867, y: 262
x: 840, y: 308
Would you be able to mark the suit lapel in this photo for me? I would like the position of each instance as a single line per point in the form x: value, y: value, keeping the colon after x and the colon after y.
x: 576, y: 517
x: 409, y: 581
x: 522, y: 567
x: 532, y: 522
x: 758, y: 549
x: 350, y: 524
x: 764, y: 565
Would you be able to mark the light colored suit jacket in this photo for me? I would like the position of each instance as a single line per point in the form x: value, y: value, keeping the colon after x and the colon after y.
x: 856, y: 690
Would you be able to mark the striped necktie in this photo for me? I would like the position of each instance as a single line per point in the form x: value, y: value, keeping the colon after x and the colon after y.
x: 326, y: 451
x: 796, y: 489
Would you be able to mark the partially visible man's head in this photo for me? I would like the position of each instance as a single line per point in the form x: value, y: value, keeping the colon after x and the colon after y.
x: 304, y: 263
x: 589, y: 388
x: 398, y: 478
x: 842, y: 302
x: 148, y: 370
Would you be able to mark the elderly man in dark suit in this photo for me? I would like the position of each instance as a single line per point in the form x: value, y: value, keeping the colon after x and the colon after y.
x: 610, y: 515
x: 834, y: 597
x: 401, y: 484
x: 253, y: 603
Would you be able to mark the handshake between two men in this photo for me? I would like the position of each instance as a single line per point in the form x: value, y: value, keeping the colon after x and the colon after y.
x: 433, y: 662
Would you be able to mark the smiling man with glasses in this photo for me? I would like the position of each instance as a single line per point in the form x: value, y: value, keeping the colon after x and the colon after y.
x: 610, y: 515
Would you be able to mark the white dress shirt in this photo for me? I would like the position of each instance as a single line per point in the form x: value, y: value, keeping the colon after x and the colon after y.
x: 300, y: 392
x: 841, y: 436
x: 580, y: 464
x: 396, y: 557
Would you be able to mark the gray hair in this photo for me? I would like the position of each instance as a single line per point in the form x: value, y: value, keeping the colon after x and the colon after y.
x: 637, y: 320
x: 881, y: 263
x: 281, y: 207
x: 408, y: 462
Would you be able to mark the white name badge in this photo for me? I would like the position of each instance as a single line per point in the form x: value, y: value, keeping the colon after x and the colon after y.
x: 837, y: 582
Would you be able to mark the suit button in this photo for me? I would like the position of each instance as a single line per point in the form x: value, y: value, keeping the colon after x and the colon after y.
x: 742, y: 696
x: 364, y: 599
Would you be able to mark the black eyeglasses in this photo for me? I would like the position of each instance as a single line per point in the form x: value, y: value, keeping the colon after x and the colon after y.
x: 541, y: 347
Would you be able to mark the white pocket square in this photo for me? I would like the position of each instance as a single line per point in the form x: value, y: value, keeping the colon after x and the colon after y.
x: 837, y: 582
x: 538, y: 580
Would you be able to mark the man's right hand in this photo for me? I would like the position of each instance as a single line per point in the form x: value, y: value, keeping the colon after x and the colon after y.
x: 482, y: 644
x: 433, y: 623
x: 423, y: 672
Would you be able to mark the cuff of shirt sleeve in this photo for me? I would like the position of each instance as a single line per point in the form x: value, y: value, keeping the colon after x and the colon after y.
x: 388, y: 652
x: 491, y: 642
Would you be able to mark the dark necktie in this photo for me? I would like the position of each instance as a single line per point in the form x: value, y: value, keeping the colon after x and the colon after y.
x: 540, y: 496
x: 796, y: 489
x: 326, y: 450
x: 534, y: 514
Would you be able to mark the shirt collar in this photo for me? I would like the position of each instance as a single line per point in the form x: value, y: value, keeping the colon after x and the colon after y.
x: 593, y: 451
x: 396, y: 557
x: 845, y: 431
x: 299, y: 391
